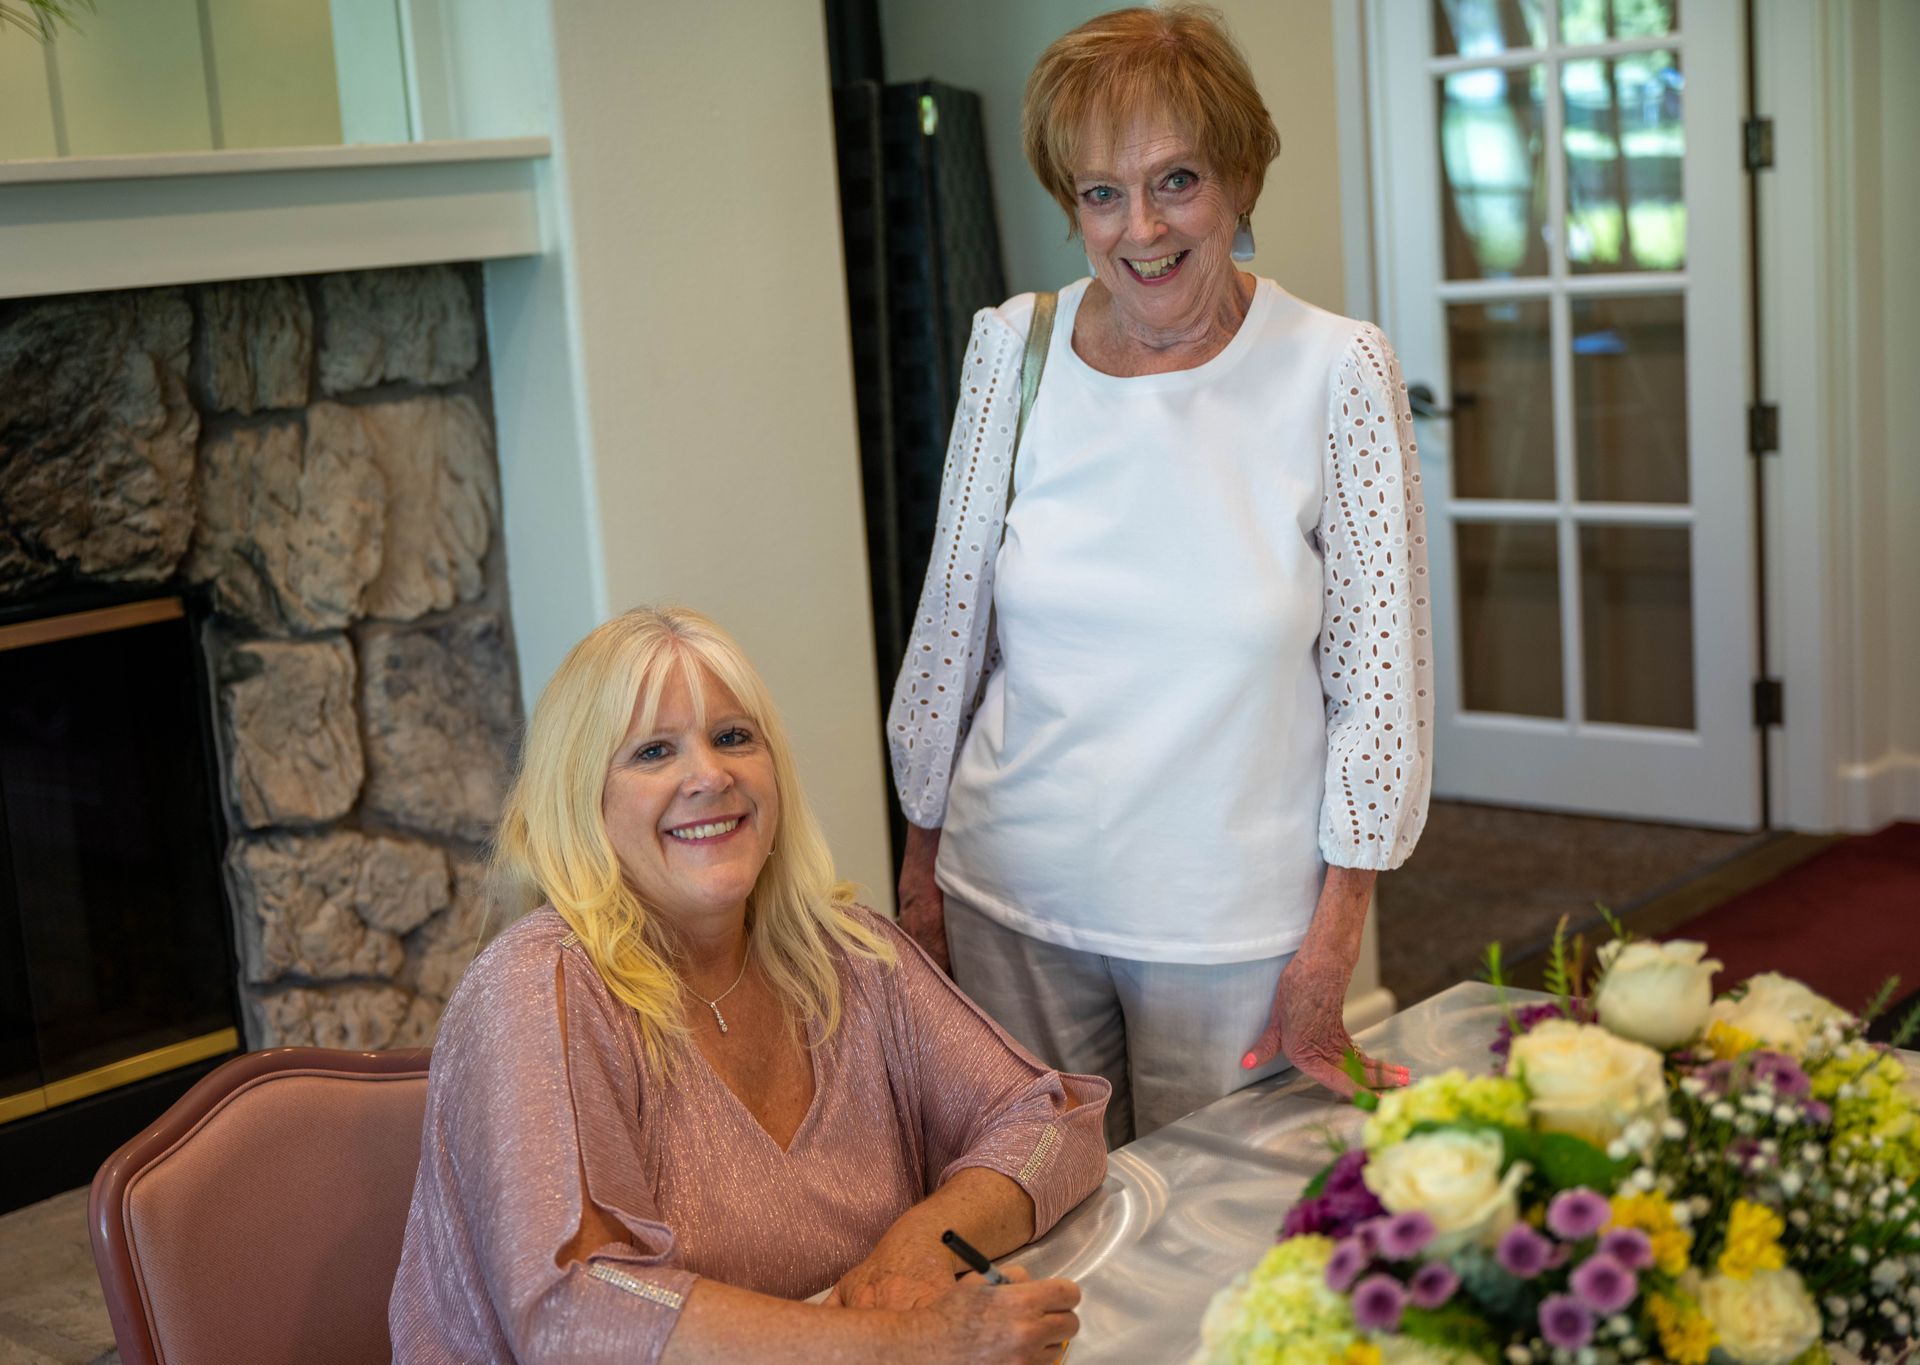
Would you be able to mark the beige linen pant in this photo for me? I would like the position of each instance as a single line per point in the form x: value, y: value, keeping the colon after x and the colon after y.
x: 1168, y: 1036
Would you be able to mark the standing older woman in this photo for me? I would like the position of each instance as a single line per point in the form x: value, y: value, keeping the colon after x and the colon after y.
x: 701, y: 1083
x: 1155, y: 745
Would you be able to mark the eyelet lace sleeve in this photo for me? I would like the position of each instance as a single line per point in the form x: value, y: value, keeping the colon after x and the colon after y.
x: 952, y: 648
x: 1376, y: 647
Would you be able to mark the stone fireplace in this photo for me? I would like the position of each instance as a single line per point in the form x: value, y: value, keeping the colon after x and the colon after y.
x: 310, y: 464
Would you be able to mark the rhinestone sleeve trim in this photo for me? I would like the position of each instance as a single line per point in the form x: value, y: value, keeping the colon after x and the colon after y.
x: 619, y: 1279
x: 1042, y: 1153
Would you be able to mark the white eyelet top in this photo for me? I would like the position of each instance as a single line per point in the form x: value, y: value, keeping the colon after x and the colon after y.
x: 1198, y: 669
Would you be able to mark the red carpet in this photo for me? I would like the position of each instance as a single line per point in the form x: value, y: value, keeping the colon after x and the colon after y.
x: 1842, y: 921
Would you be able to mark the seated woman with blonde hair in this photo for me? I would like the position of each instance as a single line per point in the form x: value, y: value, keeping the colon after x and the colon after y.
x: 699, y: 1082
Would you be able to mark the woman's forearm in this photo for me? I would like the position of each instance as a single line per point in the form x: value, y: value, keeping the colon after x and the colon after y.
x: 1339, y: 918
x: 723, y: 1324
x: 989, y: 1210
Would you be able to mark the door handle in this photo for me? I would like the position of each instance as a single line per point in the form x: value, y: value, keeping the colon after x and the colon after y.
x: 1420, y: 398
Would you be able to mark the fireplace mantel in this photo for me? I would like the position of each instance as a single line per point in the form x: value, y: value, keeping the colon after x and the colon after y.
x: 73, y: 224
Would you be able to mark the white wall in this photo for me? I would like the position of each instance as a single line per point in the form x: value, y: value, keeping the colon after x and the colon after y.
x: 990, y: 46
x: 1843, y: 336
x: 673, y: 379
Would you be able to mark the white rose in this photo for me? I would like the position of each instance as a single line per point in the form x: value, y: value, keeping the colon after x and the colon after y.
x: 1454, y: 1178
x: 1779, y: 1012
x: 1583, y: 1080
x: 1766, y: 1319
x: 1657, y: 993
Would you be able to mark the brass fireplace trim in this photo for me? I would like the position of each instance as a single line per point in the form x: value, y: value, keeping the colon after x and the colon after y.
x: 116, y: 1074
x: 99, y: 621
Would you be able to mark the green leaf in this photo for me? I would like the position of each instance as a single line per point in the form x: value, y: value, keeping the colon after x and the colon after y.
x: 1363, y: 1096
x: 1908, y: 1026
x: 1881, y: 999
x: 1567, y: 1162
x: 1505, y: 1296
x: 1559, y: 972
x: 1453, y: 1327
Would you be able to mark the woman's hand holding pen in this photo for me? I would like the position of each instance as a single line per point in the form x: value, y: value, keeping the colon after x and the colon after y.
x: 977, y: 1323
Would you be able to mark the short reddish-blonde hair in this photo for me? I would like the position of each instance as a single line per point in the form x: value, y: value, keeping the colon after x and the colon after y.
x: 1176, y: 60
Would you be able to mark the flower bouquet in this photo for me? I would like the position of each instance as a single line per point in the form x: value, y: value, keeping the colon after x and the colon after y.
x: 1648, y: 1174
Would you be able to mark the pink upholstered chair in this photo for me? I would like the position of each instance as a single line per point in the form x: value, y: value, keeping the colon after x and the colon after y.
x: 260, y: 1219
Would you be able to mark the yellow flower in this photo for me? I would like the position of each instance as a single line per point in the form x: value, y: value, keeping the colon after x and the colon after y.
x: 1685, y: 1334
x: 1729, y: 1042
x: 1361, y: 1353
x: 1753, y: 1240
x: 1653, y: 1215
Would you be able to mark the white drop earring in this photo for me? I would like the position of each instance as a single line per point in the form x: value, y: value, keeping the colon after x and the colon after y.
x: 1243, y: 240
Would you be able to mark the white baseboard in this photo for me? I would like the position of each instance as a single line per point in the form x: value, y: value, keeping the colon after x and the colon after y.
x: 1874, y: 795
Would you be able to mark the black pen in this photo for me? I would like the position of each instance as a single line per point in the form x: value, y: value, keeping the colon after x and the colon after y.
x: 964, y: 1250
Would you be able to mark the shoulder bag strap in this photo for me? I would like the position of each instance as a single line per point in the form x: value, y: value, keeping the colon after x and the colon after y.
x: 1032, y: 363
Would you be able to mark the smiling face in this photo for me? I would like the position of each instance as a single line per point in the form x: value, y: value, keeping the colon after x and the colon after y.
x: 1158, y: 224
x: 691, y: 804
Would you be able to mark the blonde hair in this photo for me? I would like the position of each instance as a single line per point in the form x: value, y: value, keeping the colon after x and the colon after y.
x: 553, y: 846
x: 1178, y: 61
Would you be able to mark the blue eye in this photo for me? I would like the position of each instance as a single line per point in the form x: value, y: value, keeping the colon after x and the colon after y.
x: 1181, y: 180
x: 650, y: 753
x: 733, y: 738
x: 1100, y: 194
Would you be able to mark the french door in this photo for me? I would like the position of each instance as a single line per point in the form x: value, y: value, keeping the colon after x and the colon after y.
x: 1563, y: 263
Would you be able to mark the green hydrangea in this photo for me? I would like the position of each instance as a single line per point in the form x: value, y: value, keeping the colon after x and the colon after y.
x: 1280, y: 1312
x: 1872, y: 1098
x: 1450, y: 1097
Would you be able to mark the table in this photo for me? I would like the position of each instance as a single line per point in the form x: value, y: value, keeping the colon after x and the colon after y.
x: 1185, y: 1209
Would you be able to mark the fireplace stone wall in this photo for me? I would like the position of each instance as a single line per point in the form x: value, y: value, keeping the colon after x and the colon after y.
x: 316, y: 456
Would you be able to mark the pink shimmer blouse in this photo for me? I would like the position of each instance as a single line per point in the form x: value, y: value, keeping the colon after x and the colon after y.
x: 539, y: 1099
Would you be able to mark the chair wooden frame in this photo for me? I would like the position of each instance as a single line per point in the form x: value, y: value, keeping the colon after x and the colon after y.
x: 107, y: 1227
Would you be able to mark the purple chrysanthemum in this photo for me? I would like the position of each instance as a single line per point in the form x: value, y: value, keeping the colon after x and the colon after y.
x: 1344, y: 1266
x: 1565, y: 1322
x: 1817, y: 1113
x: 1404, y: 1235
x: 1716, y: 1076
x: 1744, y: 1153
x: 1629, y: 1246
x: 1433, y: 1284
x: 1603, y: 1284
x: 1378, y: 1302
x: 1781, y: 1071
x: 1309, y: 1216
x: 1574, y: 1214
x: 1523, y: 1252
x: 1345, y: 1175
x: 1527, y: 1017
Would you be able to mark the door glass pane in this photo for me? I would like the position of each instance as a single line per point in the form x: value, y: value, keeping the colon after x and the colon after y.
x: 1630, y: 398
x: 1624, y: 146
x: 1636, y: 593
x: 1600, y: 21
x: 1474, y: 27
x: 1493, y: 200
x: 1502, y: 383
x: 1509, y: 618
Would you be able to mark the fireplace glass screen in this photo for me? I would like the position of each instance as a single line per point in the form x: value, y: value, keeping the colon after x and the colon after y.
x: 114, y: 956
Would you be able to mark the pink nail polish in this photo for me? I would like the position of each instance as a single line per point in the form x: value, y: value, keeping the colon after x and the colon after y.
x: 1247, y: 1062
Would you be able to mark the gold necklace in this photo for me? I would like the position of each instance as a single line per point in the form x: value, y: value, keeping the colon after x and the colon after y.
x: 714, y: 1004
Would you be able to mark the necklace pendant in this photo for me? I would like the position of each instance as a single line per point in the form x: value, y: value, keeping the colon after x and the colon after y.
x: 718, y: 1018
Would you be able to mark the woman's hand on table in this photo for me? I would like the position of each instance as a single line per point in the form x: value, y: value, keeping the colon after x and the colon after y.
x: 1308, y: 1019
x: 923, y: 910
x: 1027, y: 1321
x: 901, y: 1272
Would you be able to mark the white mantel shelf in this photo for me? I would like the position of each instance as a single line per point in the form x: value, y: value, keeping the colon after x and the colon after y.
x: 124, y: 222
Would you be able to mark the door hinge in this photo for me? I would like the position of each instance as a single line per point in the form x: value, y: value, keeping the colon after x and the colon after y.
x: 1759, y: 144
x: 1769, y: 702
x: 1763, y: 428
